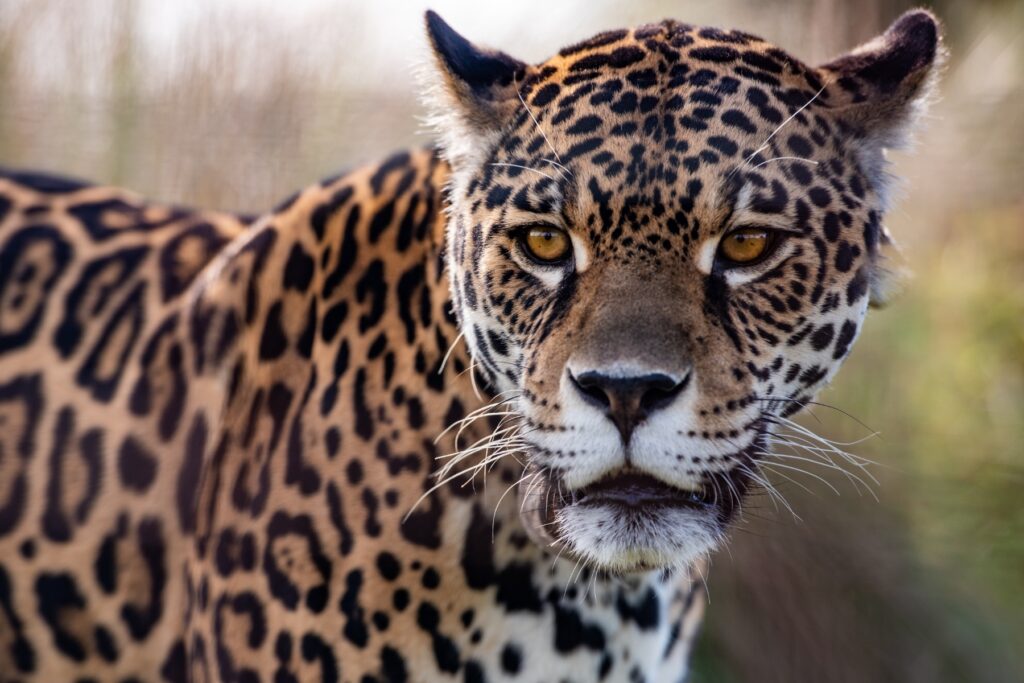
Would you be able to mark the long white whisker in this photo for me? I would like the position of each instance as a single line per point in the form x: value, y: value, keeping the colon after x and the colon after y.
x: 497, y: 505
x: 557, y: 165
x: 469, y: 420
x: 773, y: 493
x: 529, y: 490
x: 824, y: 481
x: 824, y: 454
x: 798, y: 441
x: 764, y: 145
x: 448, y: 353
x: 854, y: 480
x: 810, y: 161
x: 493, y: 450
x: 805, y: 403
x: 817, y: 437
x: 472, y: 380
x: 766, y: 466
x: 537, y: 123
x: 525, y: 168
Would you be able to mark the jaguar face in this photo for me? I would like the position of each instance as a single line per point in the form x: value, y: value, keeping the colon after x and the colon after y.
x: 662, y: 243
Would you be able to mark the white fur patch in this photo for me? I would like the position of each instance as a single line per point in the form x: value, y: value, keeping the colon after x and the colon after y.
x: 654, y: 536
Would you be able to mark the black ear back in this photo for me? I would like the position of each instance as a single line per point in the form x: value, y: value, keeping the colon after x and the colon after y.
x: 479, y: 69
x: 897, y: 58
x: 882, y: 87
x: 471, y: 93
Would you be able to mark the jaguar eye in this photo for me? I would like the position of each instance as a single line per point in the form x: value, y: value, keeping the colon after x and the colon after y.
x: 745, y: 246
x: 546, y: 245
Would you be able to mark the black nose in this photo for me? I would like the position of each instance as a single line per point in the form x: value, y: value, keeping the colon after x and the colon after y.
x: 627, y: 401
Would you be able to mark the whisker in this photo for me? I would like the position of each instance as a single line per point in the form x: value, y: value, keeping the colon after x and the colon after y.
x: 855, y: 480
x: 774, y: 495
x: 764, y: 145
x: 468, y: 420
x: 810, y: 161
x: 818, y: 404
x: 529, y: 491
x: 497, y: 505
x: 537, y: 123
x: 558, y: 166
x: 699, y: 566
x: 525, y: 168
x: 817, y: 437
x: 472, y: 379
x: 492, y: 451
x: 796, y: 441
x: 569, y: 581
x: 768, y: 467
x: 448, y: 353
x: 824, y: 481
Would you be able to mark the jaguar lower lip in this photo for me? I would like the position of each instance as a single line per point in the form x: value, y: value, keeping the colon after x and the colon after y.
x: 637, y: 490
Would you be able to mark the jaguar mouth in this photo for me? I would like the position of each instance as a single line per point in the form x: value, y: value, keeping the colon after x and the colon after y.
x: 631, y: 520
x: 631, y: 489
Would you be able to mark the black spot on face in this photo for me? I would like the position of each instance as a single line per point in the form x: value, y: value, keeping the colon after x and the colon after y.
x: 822, y: 337
x: 716, y: 53
x: 819, y: 196
x: 845, y: 338
x: 314, y: 649
x: 546, y: 94
x: 845, y: 255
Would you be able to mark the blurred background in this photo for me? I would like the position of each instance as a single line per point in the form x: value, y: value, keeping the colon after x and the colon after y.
x: 232, y: 104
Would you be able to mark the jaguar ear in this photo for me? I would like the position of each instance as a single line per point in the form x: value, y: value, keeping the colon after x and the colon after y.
x: 472, y: 95
x: 881, y: 89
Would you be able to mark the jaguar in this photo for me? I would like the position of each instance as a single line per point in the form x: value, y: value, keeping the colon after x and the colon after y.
x: 478, y: 412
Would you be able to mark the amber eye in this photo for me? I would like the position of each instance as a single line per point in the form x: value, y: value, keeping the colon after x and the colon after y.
x: 745, y: 245
x: 547, y: 245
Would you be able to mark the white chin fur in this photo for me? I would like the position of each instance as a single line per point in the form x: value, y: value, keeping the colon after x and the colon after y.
x: 656, y: 537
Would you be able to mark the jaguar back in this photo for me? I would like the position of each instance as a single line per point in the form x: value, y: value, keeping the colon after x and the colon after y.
x: 88, y: 274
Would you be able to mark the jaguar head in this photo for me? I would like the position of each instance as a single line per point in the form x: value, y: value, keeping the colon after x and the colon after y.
x: 662, y: 242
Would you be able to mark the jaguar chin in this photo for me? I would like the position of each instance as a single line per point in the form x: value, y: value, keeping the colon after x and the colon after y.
x: 631, y: 519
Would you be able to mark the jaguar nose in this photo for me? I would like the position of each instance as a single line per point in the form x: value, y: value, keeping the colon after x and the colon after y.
x: 628, y: 401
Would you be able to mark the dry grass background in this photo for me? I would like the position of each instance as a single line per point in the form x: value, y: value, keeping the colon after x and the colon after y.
x: 232, y: 104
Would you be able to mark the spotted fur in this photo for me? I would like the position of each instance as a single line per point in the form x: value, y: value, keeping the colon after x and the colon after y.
x: 224, y: 452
